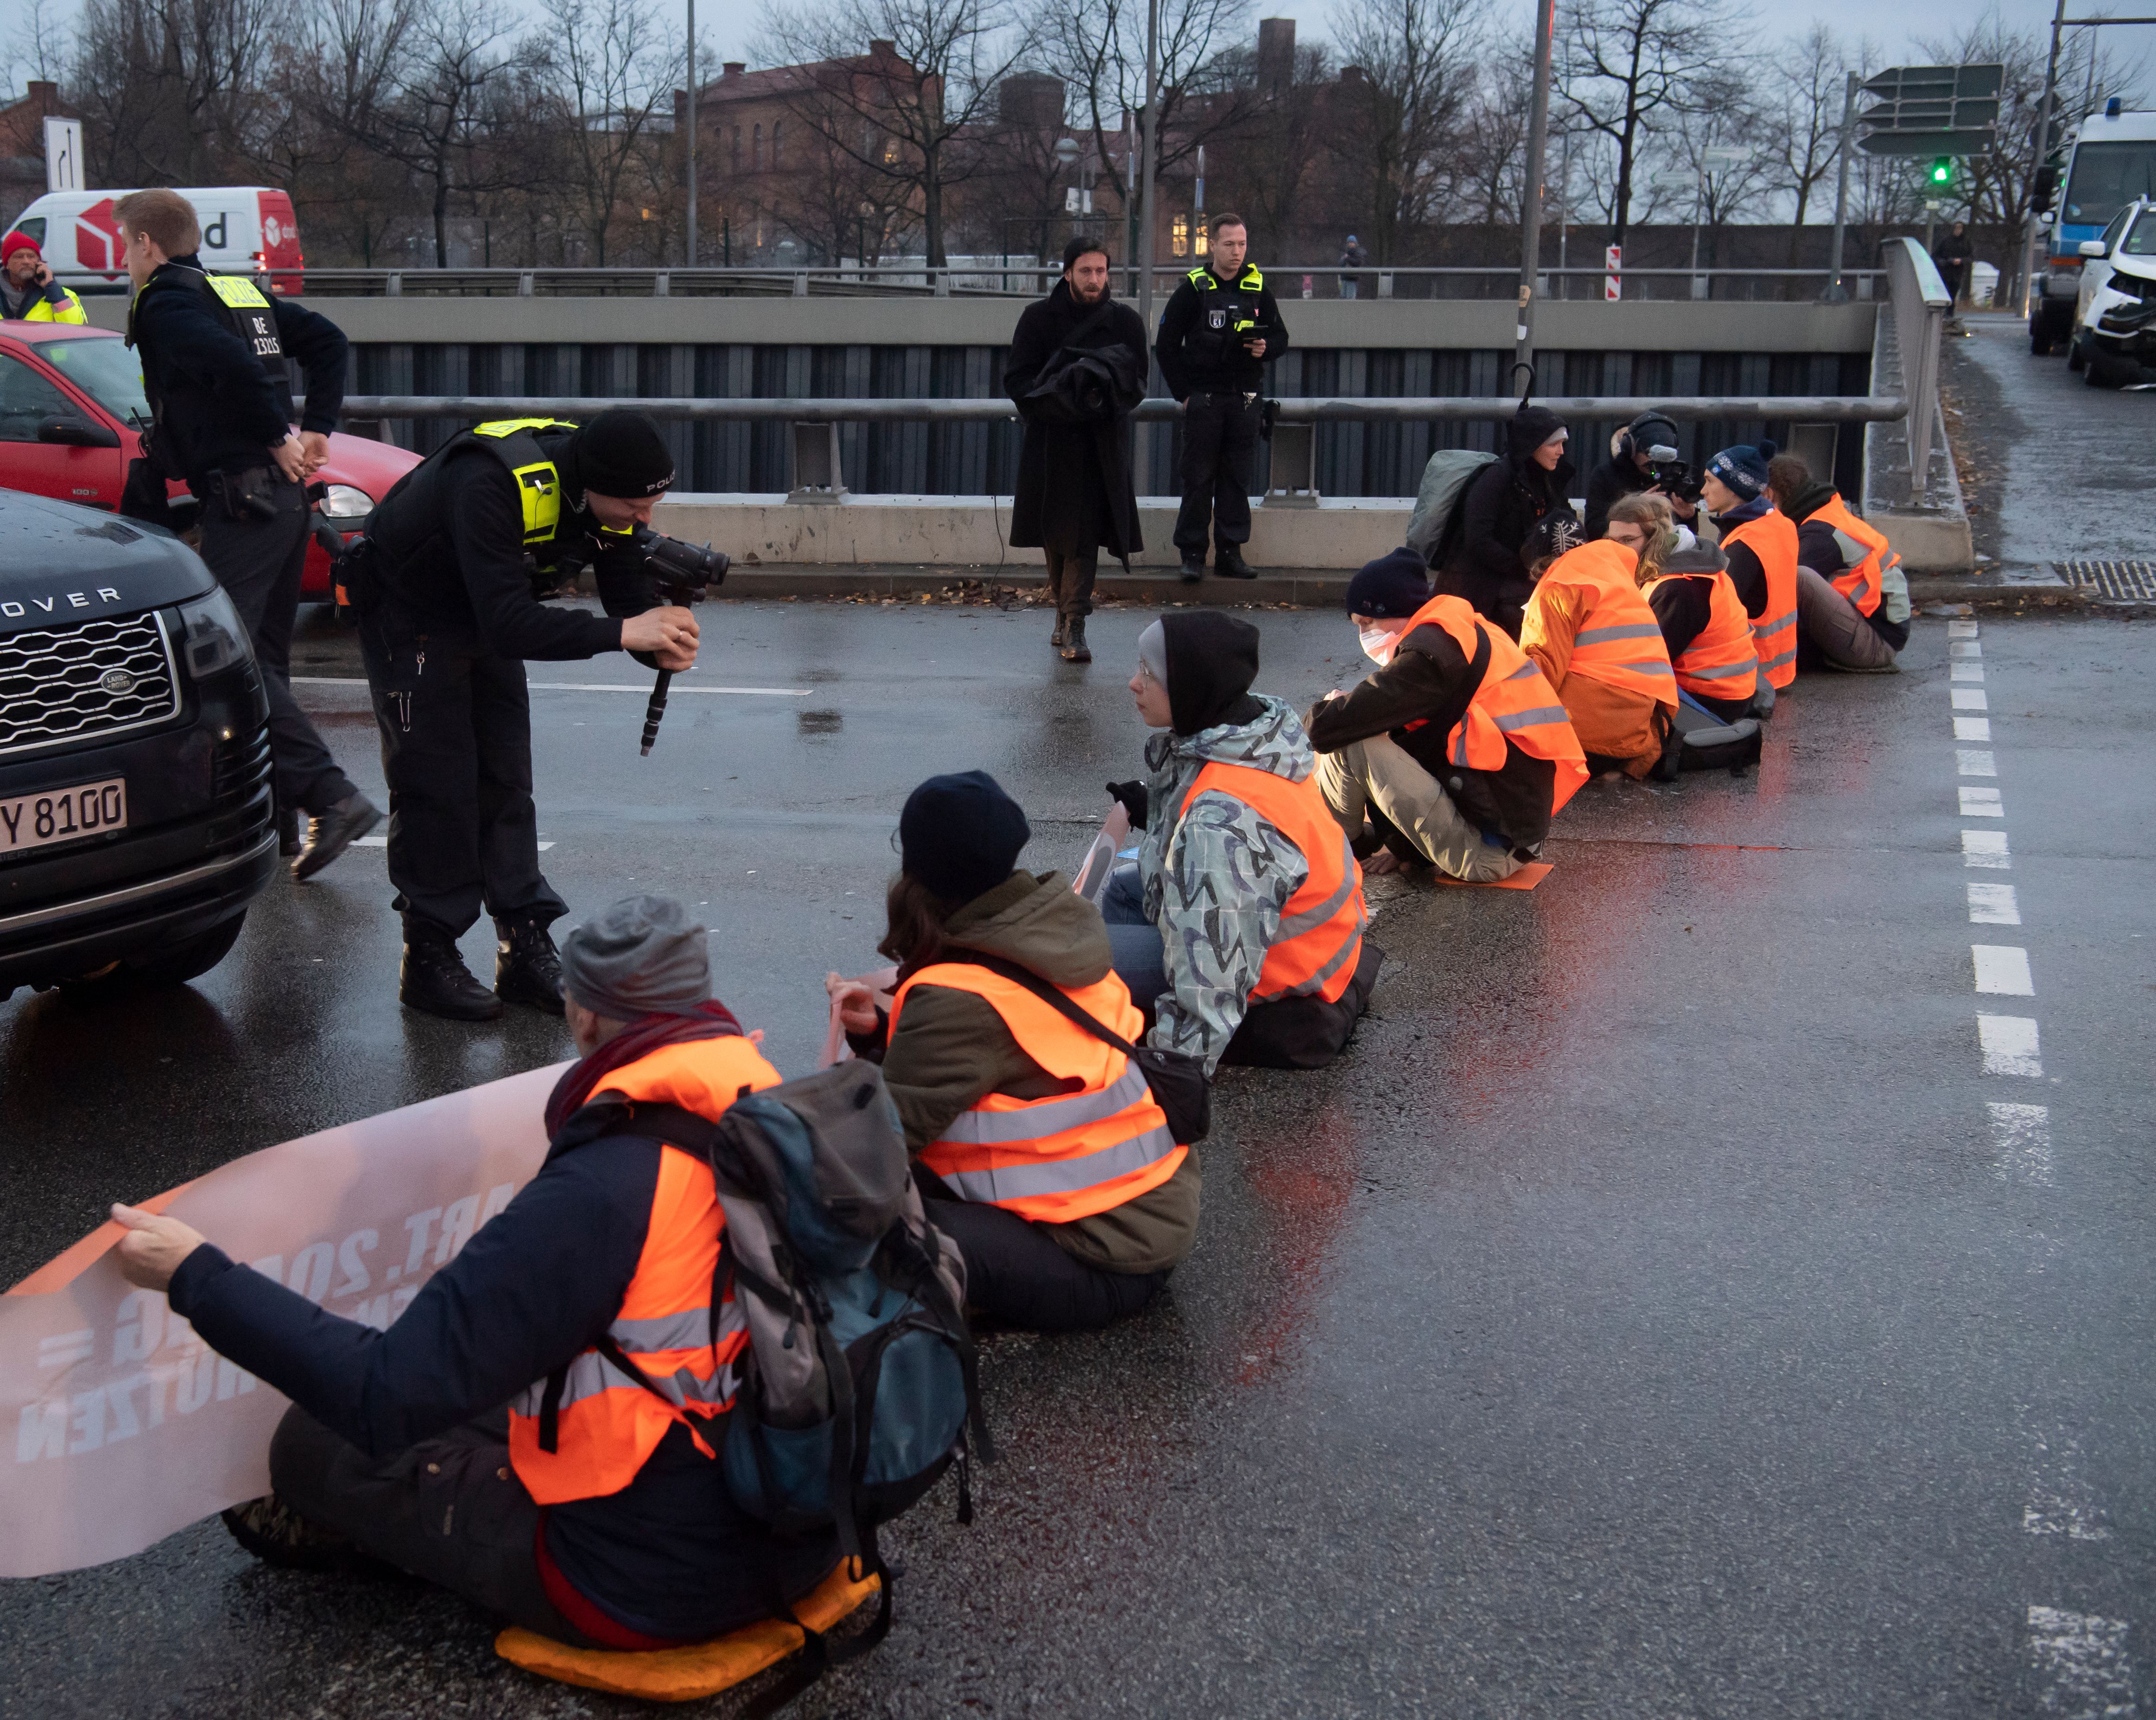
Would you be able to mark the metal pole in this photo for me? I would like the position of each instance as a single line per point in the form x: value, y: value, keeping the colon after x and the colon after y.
x: 1836, y: 293
x: 692, y: 134
x: 2024, y: 289
x: 1141, y: 443
x: 1531, y: 201
x: 1698, y: 211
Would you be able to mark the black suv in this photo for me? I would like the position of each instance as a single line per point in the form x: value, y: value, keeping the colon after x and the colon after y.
x: 136, y: 822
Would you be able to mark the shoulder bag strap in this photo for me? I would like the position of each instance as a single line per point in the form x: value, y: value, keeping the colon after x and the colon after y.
x: 1041, y: 988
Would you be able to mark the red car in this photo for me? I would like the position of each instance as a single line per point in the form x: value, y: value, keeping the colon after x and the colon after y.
x: 71, y: 397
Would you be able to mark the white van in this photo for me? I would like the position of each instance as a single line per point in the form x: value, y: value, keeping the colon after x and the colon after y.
x: 246, y: 229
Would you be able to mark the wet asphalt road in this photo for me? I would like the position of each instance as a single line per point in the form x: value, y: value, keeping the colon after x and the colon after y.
x: 1644, y: 1318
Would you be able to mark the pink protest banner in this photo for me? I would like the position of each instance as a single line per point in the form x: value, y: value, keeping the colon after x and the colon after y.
x: 128, y: 1427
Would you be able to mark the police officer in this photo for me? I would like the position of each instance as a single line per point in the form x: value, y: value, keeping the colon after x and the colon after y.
x: 1220, y: 331
x: 27, y: 291
x: 444, y: 584
x: 213, y: 350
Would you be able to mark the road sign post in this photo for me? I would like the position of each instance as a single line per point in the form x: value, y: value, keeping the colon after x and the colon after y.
x: 64, y: 155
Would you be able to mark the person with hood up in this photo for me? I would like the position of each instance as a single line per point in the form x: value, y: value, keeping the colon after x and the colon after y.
x: 1596, y: 641
x: 1038, y: 1146
x: 1242, y: 923
x: 1077, y: 370
x: 1457, y: 752
x: 1852, y: 597
x: 1508, y: 498
x: 1650, y: 440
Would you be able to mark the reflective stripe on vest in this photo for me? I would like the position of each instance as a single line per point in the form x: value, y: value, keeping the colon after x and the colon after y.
x: 1320, y: 939
x: 1514, y: 703
x: 1863, y: 550
x: 538, y: 482
x: 1773, y: 537
x: 1721, y: 662
x: 1069, y: 1155
x: 607, y: 1423
x: 1619, y: 643
x: 68, y: 311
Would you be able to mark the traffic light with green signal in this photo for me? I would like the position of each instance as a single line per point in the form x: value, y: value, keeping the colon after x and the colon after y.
x: 1942, y: 173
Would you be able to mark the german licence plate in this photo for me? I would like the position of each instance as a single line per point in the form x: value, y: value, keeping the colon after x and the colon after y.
x: 62, y: 815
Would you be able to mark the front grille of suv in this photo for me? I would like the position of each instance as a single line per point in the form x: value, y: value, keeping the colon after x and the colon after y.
x: 84, y: 682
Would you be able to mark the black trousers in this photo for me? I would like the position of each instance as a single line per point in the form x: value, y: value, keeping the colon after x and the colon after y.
x: 1071, y: 576
x: 259, y: 563
x: 1017, y: 1274
x: 456, y: 749
x: 1220, y: 453
x: 450, y: 1510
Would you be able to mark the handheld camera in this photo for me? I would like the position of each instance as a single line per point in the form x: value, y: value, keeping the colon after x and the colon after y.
x: 684, y: 572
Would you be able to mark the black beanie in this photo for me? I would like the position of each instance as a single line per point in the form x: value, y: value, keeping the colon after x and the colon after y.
x: 960, y: 835
x: 1212, y: 660
x: 621, y: 453
x: 1390, y: 588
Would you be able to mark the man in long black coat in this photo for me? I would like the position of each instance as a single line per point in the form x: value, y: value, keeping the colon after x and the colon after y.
x: 1077, y: 370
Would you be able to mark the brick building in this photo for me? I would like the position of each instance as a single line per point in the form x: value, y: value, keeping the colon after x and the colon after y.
x: 23, y: 146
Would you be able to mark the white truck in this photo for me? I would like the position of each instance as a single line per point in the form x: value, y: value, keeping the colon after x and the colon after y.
x: 246, y: 230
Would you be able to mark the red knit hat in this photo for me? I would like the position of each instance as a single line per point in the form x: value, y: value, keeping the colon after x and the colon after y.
x: 16, y: 241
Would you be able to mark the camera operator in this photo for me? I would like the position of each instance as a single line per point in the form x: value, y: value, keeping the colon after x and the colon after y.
x: 1643, y: 455
x: 444, y: 584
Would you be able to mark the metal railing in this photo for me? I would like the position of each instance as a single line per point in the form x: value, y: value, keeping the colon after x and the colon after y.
x: 816, y: 476
x: 1919, y: 305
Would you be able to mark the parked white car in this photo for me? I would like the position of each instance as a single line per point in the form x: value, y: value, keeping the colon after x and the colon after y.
x: 2114, y: 332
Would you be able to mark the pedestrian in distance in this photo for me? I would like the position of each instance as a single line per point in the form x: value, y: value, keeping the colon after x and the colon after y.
x: 1352, y: 256
x: 443, y: 583
x: 1644, y: 455
x: 1038, y: 1146
x: 1077, y: 370
x: 1218, y: 331
x: 27, y: 291
x: 1240, y: 926
x: 1455, y: 753
x: 213, y: 348
x: 1508, y: 498
x: 1852, y: 597
x: 481, y: 1443
x: 1761, y: 545
x: 1952, y: 254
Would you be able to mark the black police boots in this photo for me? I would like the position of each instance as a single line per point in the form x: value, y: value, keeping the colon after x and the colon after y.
x: 527, y: 969
x: 1075, y: 648
x: 330, y: 834
x: 435, y: 979
x: 1193, y: 566
x: 1228, y: 563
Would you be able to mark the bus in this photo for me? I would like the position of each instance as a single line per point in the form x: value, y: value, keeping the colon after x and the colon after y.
x: 2107, y: 161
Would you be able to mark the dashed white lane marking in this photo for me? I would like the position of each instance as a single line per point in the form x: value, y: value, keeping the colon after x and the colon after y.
x: 1972, y: 728
x: 1993, y: 905
x: 2010, y: 1045
x: 2002, y: 970
x: 583, y: 687
x: 1967, y: 648
x: 2021, y: 1143
x: 2062, y: 1501
x: 1976, y: 760
x: 383, y: 842
x: 2081, y: 1660
x: 1961, y: 626
x: 1969, y: 699
x: 1986, y: 849
x: 1981, y: 804
x: 1966, y: 671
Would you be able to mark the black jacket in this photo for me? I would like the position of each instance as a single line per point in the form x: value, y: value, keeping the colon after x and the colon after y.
x: 1074, y: 493
x: 670, y: 1554
x: 1820, y: 550
x: 1501, y: 507
x: 221, y: 412
x: 452, y: 564
x: 1429, y: 683
x: 1194, y: 355
x: 1614, y: 478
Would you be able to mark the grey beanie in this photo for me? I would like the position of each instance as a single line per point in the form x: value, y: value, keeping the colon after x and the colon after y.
x: 1153, y: 652
x: 640, y: 956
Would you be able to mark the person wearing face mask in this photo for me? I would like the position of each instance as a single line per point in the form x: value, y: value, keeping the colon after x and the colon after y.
x: 1457, y: 753
x: 1241, y: 924
x: 1507, y: 499
x: 1761, y: 545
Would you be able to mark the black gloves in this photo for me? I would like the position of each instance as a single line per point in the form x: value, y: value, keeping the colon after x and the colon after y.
x: 1132, y: 797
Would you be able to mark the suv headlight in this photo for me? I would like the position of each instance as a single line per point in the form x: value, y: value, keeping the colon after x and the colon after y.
x: 345, y: 501
x: 213, y: 638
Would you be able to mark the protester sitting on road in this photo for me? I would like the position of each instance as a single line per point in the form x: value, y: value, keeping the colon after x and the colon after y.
x: 1038, y: 1147
x: 1852, y: 597
x: 1241, y: 924
x: 1648, y: 442
x: 1500, y: 509
x: 1704, y: 626
x: 1594, y: 639
x: 1761, y: 545
x: 1456, y: 752
x: 591, y: 1510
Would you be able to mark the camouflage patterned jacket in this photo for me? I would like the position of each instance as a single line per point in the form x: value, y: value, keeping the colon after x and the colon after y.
x: 1217, y: 876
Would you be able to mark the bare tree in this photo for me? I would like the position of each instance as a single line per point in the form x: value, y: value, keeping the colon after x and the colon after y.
x: 168, y: 84
x: 40, y: 46
x: 1800, y: 126
x: 1276, y: 165
x: 610, y: 67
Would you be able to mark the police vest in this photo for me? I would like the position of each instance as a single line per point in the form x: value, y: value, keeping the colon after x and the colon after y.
x: 1721, y: 662
x: 1619, y: 642
x: 1863, y: 548
x: 1069, y: 1155
x: 1773, y: 537
x: 236, y: 303
x: 1515, y: 703
x: 1314, y: 952
x: 1224, y: 316
x: 586, y: 1430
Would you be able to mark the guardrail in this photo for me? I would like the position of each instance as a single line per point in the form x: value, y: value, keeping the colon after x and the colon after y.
x: 816, y: 476
x: 1919, y: 305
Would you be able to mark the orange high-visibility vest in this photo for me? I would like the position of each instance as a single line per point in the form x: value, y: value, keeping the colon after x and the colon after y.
x: 1773, y: 537
x: 1619, y: 643
x: 1320, y: 939
x: 1863, y: 547
x: 607, y: 1425
x: 1722, y: 662
x: 1515, y: 703
x: 1069, y: 1155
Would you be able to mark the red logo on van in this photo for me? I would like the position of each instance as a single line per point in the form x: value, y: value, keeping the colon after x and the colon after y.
x: 99, y: 245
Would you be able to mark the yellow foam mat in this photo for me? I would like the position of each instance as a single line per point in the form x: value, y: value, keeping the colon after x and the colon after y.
x: 686, y: 1674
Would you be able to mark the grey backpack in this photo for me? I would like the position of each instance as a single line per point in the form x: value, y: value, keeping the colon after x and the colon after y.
x: 1444, y: 481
